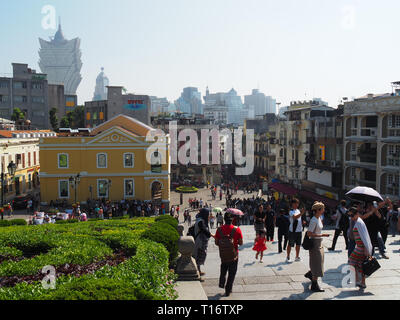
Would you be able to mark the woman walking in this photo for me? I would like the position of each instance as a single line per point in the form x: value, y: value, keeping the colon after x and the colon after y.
x: 317, y: 250
x: 202, y: 232
x: 363, y: 249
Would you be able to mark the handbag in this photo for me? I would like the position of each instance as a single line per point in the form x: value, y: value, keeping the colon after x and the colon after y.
x: 369, y: 266
x: 308, y: 243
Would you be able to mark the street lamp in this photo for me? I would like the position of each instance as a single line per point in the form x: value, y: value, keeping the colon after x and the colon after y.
x: 74, y: 181
x: 12, y: 168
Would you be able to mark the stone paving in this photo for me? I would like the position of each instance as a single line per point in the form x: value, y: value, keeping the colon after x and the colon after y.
x: 275, y: 279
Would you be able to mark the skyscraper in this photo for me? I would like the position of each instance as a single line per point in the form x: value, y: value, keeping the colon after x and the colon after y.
x: 60, y: 59
x: 262, y: 104
x: 190, y: 101
x: 100, y: 92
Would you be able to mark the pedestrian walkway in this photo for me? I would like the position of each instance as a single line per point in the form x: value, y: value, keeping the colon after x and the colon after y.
x: 277, y: 280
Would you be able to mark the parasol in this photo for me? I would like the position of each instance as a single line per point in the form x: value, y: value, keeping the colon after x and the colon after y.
x: 235, y: 211
x: 365, y: 194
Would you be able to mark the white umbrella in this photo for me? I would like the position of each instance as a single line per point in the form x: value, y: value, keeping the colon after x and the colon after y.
x: 365, y: 194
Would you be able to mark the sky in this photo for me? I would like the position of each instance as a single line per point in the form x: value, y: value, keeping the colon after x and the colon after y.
x: 289, y: 49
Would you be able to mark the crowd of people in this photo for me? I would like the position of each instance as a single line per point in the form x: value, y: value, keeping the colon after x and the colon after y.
x: 365, y: 227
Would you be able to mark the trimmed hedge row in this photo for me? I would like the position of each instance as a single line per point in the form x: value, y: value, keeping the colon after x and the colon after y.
x: 14, y: 222
x: 149, y: 245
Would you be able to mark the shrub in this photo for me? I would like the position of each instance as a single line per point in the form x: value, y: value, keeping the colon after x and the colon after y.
x: 168, y: 219
x: 18, y: 222
x: 186, y: 189
x: 165, y: 234
x: 67, y: 221
x: 90, y: 288
x: 5, y: 223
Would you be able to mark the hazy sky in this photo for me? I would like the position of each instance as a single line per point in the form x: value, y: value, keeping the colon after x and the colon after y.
x: 290, y: 49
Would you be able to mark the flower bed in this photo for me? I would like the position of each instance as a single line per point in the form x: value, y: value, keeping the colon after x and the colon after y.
x: 186, y: 189
x: 111, y: 259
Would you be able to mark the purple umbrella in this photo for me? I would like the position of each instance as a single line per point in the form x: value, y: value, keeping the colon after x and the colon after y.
x: 235, y: 211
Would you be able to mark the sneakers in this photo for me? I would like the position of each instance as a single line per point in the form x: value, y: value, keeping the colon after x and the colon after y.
x: 297, y: 259
x: 384, y: 256
x: 287, y: 259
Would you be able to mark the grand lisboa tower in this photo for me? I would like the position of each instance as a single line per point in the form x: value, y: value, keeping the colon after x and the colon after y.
x: 60, y: 59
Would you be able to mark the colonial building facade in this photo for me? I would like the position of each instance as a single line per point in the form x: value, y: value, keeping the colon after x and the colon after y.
x: 114, y: 161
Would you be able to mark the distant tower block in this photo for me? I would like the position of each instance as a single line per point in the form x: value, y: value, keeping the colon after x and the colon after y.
x: 60, y: 59
x: 100, y: 91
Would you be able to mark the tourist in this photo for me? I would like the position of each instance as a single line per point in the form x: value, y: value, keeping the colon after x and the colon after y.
x: 363, y: 249
x: 372, y: 219
x: 283, y: 223
x: 189, y: 219
x: 220, y: 219
x: 342, y: 224
x: 317, y: 251
x: 212, y: 221
x: 29, y: 206
x: 259, y: 244
x: 229, y: 257
x: 203, y: 234
x: 392, y: 218
x: 295, y: 229
x: 83, y: 217
x: 259, y: 218
x: 270, y: 221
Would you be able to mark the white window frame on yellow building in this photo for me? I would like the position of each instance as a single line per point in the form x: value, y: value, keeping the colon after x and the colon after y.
x: 59, y: 189
x: 129, y: 196
x: 133, y: 160
x: 58, y: 160
x: 97, y: 160
x: 98, y: 189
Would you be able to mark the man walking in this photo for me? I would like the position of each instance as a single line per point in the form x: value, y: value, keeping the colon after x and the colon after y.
x: 283, y: 223
x: 270, y: 222
x: 342, y: 224
x: 295, y: 229
x: 228, y: 238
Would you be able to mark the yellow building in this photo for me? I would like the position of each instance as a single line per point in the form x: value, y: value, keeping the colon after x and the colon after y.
x: 111, y: 161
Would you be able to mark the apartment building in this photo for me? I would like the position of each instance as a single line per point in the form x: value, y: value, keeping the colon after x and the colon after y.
x: 372, y: 143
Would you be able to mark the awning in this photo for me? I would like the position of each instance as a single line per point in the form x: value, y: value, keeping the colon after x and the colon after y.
x: 331, y: 203
x: 284, y: 188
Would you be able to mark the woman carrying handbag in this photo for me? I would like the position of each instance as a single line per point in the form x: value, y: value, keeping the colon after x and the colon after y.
x: 317, y: 250
x: 363, y: 249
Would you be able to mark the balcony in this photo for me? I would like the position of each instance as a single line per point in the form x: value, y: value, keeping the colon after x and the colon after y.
x: 368, y: 156
x: 369, y: 132
x: 295, y: 142
x: 282, y: 142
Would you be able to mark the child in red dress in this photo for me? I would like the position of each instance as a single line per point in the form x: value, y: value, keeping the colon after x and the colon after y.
x: 259, y: 244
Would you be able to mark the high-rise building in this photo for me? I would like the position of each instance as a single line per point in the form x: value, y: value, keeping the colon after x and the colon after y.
x: 28, y: 91
x: 262, y: 104
x: 190, y: 101
x: 60, y: 59
x: 100, y: 92
x: 159, y: 105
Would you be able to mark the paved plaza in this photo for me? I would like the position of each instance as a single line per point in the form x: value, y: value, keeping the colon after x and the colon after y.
x: 275, y: 279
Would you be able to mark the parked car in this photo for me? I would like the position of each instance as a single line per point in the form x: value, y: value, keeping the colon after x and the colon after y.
x: 20, y: 202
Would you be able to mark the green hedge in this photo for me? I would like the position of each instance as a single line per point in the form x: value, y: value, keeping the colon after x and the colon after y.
x: 168, y: 219
x: 165, y: 234
x: 13, y: 222
x: 144, y: 275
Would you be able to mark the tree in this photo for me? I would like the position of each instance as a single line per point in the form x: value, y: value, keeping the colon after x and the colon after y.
x: 54, y: 119
x: 17, y: 115
x: 64, y: 123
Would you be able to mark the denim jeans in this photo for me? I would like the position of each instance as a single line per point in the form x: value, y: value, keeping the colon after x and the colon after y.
x: 381, y: 245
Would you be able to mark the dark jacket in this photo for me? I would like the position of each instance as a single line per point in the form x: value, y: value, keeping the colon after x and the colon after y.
x: 283, y: 223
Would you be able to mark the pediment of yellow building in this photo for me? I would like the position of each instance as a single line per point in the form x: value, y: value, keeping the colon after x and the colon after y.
x: 116, y: 136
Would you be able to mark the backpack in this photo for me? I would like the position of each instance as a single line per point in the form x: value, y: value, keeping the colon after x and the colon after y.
x: 227, y: 251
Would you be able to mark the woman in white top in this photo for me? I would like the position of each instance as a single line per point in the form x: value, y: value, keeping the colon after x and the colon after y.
x: 317, y: 251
